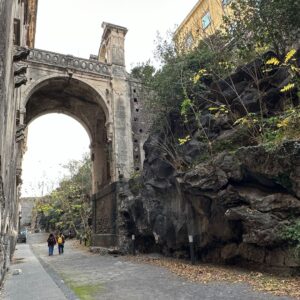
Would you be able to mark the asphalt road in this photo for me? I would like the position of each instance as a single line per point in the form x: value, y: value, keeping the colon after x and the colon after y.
x: 106, y: 277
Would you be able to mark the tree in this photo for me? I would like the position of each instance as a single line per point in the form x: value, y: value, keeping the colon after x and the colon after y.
x: 68, y: 207
x: 254, y: 25
x: 196, y: 91
x: 144, y: 72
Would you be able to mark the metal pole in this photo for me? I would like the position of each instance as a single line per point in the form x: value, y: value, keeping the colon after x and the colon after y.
x: 133, y: 244
x: 192, y: 251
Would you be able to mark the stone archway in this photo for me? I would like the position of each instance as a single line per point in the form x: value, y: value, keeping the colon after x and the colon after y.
x: 101, y: 95
x: 78, y: 100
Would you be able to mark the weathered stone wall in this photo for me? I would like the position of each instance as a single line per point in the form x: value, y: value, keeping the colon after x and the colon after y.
x: 7, y: 196
x: 140, y: 122
x: 27, y: 205
x: 9, y: 148
x: 104, y: 217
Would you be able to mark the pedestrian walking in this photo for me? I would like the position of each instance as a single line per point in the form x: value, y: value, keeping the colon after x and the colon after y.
x: 61, y: 243
x: 51, y: 243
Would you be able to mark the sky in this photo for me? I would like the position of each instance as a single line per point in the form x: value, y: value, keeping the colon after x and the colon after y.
x: 74, y: 27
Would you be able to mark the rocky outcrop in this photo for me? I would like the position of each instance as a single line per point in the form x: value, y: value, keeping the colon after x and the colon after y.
x: 236, y: 206
x: 236, y: 197
x: 255, y: 86
x: 253, y: 190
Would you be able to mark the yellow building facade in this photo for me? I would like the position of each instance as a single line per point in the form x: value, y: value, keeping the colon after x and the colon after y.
x: 203, y: 20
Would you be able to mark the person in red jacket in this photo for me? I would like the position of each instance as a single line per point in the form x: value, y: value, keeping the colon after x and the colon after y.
x: 51, y: 243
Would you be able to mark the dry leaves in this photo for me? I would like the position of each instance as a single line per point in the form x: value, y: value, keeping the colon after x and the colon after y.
x: 205, y: 273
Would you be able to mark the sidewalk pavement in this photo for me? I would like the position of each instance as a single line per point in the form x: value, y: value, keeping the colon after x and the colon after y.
x: 33, y: 282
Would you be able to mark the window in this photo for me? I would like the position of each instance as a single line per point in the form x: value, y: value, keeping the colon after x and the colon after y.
x: 206, y: 20
x: 17, y: 29
x: 189, y: 40
x: 225, y: 2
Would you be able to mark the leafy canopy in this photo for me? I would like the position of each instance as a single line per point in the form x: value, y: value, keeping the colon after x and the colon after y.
x: 260, y: 25
x: 68, y: 207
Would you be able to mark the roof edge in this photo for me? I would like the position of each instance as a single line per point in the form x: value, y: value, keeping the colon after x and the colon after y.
x: 187, y: 17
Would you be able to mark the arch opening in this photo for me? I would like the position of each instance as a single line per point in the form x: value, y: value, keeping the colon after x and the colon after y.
x: 65, y: 83
x: 75, y: 98
x: 54, y: 141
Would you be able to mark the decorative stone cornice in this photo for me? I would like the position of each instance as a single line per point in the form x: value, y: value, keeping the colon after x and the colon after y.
x: 20, y: 80
x: 20, y: 133
x: 19, y: 68
x: 18, y: 176
x: 20, y: 53
x: 69, y: 62
x: 108, y: 27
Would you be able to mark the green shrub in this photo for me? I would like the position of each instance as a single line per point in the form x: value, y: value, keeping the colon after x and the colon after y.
x: 291, y: 234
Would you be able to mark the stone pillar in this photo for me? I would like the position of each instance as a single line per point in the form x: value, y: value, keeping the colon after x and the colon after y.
x: 105, y: 217
x: 99, y: 168
x: 100, y: 155
x: 112, y: 45
x: 122, y: 144
x: 112, y: 52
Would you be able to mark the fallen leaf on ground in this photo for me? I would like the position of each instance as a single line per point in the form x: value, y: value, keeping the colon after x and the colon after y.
x: 205, y: 273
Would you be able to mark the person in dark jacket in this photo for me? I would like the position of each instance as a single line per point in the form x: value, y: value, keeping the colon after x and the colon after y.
x: 51, y: 243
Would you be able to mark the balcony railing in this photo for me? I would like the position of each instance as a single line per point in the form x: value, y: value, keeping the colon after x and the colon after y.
x: 68, y: 61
